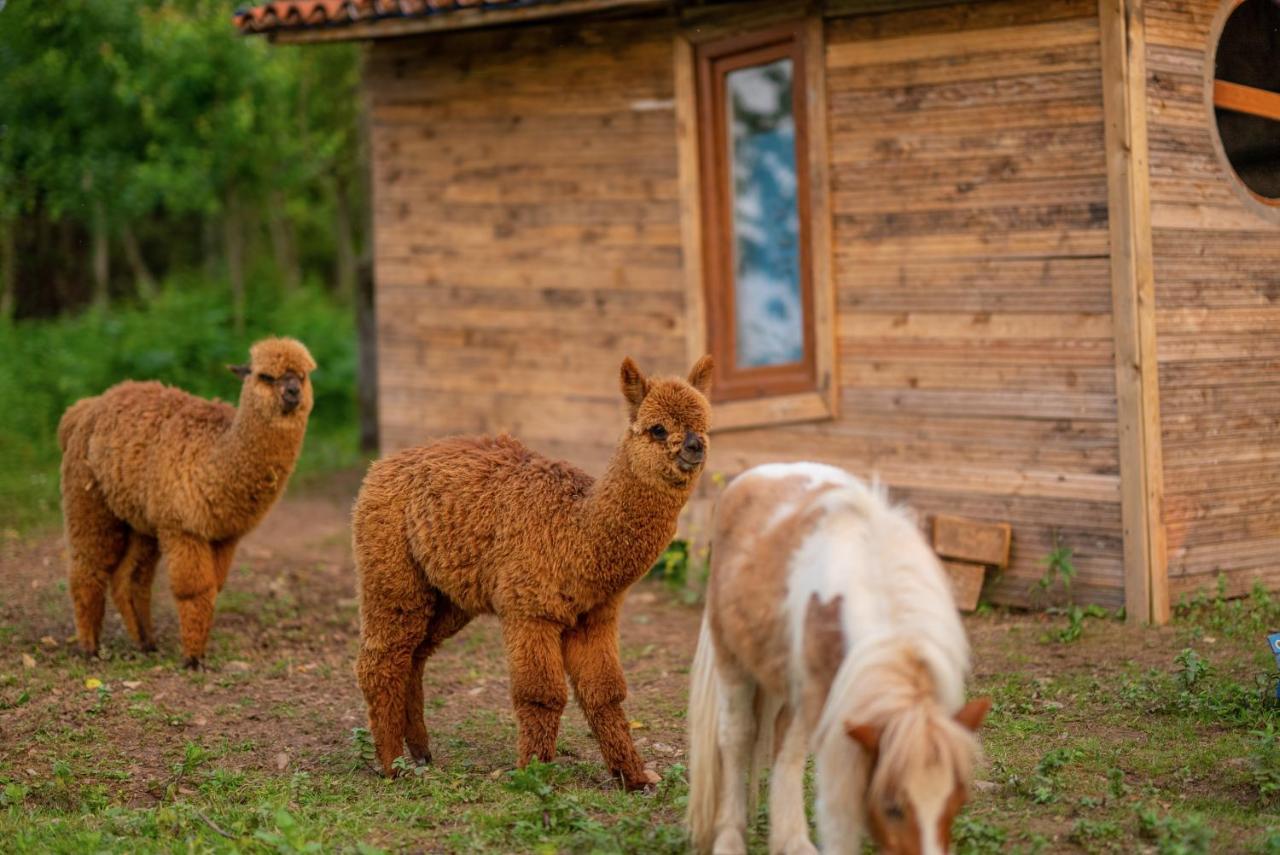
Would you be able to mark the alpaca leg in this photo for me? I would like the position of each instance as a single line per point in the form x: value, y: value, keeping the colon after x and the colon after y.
x: 195, y: 587
x: 595, y: 670
x: 96, y: 542
x: 144, y: 573
x: 223, y: 553
x: 446, y: 620
x: 788, y: 827
x: 538, y: 691
x: 736, y: 738
x: 122, y: 585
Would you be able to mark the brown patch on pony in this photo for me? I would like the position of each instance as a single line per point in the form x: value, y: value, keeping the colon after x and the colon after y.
x: 749, y: 571
x: 824, y: 650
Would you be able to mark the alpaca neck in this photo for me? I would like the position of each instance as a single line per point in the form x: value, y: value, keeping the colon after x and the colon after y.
x: 255, y: 455
x: 630, y: 521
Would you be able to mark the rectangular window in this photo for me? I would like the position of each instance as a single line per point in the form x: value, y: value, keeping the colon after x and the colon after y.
x: 753, y: 163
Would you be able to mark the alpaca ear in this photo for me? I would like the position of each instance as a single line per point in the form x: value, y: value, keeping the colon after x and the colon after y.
x: 865, y: 735
x: 634, y: 385
x: 700, y: 374
x: 972, y: 713
x: 241, y: 371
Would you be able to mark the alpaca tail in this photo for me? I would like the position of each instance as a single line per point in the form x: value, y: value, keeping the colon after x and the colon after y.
x: 704, y: 743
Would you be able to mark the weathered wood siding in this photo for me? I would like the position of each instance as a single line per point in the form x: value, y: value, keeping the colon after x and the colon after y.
x: 527, y: 231
x: 975, y: 333
x: 528, y: 236
x: 1217, y: 277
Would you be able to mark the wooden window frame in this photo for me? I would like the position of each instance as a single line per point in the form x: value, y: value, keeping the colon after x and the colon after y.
x: 804, y: 391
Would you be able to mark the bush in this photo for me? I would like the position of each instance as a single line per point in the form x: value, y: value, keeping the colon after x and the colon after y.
x: 185, y: 338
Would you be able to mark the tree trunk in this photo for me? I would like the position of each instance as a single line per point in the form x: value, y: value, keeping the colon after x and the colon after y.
x: 367, y: 370
x: 143, y: 279
x: 8, y: 269
x: 283, y: 246
x: 233, y: 243
x: 346, y: 273
x: 101, y: 256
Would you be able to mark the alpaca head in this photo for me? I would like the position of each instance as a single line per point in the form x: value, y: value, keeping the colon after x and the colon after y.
x: 666, y: 442
x: 277, y: 379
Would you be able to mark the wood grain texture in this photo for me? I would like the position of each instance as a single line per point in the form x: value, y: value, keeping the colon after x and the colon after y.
x: 974, y: 541
x: 1217, y: 282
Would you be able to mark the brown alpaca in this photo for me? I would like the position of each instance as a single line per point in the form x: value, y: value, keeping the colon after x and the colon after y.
x: 147, y: 468
x: 469, y: 526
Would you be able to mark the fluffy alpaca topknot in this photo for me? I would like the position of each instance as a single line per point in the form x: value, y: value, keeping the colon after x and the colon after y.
x: 277, y: 355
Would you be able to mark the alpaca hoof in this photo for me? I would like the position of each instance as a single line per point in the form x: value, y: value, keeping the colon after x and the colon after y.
x: 421, y: 758
x: 193, y: 663
x: 148, y: 647
x: 89, y: 653
x: 646, y: 780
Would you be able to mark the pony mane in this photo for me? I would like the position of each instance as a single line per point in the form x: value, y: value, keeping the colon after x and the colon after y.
x: 894, y: 688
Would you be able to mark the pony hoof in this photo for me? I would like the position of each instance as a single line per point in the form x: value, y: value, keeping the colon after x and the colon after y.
x: 729, y: 842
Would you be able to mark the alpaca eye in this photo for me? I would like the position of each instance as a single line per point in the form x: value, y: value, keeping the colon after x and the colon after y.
x: 658, y: 432
x: 266, y: 378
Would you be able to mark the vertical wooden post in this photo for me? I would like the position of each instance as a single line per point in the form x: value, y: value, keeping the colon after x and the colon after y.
x: 1124, y: 80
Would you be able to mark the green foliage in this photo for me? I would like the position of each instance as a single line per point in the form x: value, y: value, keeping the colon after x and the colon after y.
x: 975, y: 837
x: 1175, y: 835
x: 1264, y: 761
x: 362, y: 740
x: 185, y: 338
x: 1058, y: 568
x: 673, y: 569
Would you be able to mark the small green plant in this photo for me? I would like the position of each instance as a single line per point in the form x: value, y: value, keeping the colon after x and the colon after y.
x: 1043, y: 786
x: 975, y: 837
x: 555, y: 812
x: 1264, y: 761
x: 1058, y: 567
x: 673, y: 569
x: 1193, y: 669
x: 1175, y: 835
x: 1089, y: 833
x: 406, y: 766
x: 288, y: 837
x: 362, y: 740
x: 1116, y: 785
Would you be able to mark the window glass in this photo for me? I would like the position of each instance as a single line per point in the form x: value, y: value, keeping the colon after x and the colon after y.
x: 766, y: 224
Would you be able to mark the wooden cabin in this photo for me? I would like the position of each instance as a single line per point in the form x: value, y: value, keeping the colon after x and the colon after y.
x: 1019, y: 258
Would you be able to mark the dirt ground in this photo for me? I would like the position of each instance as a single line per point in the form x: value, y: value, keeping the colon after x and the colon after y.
x: 1086, y: 751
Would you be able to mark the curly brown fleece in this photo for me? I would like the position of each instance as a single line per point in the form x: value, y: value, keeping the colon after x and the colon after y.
x: 469, y: 526
x: 147, y: 468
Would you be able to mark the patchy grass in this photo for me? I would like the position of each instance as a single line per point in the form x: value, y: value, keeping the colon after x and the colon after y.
x: 1103, y: 738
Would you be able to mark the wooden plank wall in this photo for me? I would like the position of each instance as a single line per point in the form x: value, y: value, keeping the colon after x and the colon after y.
x: 527, y: 231
x: 975, y: 332
x: 1217, y: 276
x: 528, y: 235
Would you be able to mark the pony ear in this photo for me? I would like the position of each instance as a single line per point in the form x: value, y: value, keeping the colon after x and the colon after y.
x: 972, y: 713
x: 634, y: 385
x: 700, y: 374
x: 241, y: 371
x: 865, y: 735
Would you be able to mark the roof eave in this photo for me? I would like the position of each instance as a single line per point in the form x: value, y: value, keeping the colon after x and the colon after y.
x: 459, y: 19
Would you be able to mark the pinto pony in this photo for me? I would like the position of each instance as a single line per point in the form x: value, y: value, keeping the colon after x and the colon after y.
x: 829, y: 628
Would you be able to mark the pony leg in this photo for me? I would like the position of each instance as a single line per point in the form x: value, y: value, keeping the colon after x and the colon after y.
x: 144, y: 573
x: 840, y: 772
x: 195, y: 587
x: 446, y: 620
x: 96, y: 542
x: 788, y: 827
x: 595, y: 670
x: 736, y: 738
x: 538, y: 691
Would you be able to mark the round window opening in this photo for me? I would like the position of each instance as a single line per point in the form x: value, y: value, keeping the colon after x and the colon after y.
x: 1246, y: 96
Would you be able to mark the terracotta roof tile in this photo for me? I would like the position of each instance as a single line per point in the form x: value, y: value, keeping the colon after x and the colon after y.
x: 302, y: 14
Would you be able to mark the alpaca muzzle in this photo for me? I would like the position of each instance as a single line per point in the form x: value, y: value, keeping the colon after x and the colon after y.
x: 691, y: 453
x: 291, y: 395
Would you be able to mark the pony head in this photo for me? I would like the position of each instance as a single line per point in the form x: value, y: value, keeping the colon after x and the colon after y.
x: 921, y: 762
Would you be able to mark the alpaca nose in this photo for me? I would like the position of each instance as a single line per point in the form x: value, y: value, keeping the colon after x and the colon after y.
x: 693, y: 445
x: 291, y: 394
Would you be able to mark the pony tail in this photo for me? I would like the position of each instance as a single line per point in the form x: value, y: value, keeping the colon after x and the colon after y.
x: 704, y: 743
